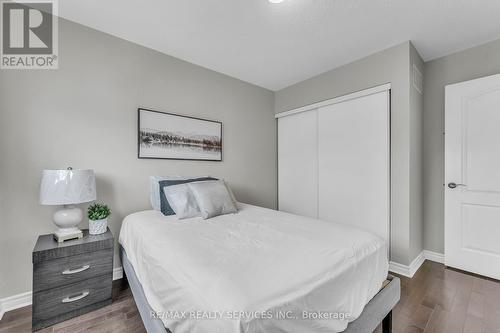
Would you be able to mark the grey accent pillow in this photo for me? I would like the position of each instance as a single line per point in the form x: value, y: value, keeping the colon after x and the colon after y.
x: 164, y: 205
x: 182, y: 201
x: 212, y: 198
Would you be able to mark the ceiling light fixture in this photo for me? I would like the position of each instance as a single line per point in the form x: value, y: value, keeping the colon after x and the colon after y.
x: 275, y: 1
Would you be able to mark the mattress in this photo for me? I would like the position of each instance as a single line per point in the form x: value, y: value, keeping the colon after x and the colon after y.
x: 254, y: 271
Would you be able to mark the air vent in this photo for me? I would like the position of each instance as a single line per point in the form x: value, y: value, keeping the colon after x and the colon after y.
x: 418, y: 80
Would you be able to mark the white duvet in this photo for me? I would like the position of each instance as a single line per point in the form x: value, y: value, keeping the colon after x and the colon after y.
x: 259, y: 270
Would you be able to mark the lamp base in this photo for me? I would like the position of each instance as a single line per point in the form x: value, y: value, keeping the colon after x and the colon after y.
x: 65, y: 234
x: 66, y: 219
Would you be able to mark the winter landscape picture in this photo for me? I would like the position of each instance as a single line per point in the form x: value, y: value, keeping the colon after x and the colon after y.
x: 170, y: 136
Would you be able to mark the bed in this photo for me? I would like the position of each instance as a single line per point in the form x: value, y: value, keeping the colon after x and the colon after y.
x: 258, y: 270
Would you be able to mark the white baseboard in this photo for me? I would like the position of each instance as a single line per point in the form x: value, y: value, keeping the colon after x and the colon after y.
x: 398, y: 268
x: 434, y: 256
x: 117, y: 273
x: 24, y: 299
x: 410, y: 270
x: 405, y: 270
x: 14, y: 302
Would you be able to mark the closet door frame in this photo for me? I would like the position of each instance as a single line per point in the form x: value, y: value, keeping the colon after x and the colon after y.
x: 340, y: 99
x: 344, y: 98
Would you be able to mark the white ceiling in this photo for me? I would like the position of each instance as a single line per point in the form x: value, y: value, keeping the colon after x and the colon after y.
x: 276, y: 45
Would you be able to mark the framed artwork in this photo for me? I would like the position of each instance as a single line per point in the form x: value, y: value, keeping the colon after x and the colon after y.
x: 165, y: 135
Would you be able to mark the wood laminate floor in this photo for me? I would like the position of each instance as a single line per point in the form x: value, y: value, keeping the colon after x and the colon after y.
x: 435, y: 300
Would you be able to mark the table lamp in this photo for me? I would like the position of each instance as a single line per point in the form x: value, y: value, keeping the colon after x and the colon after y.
x: 67, y: 188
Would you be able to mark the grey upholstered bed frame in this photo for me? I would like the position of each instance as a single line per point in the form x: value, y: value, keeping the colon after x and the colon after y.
x: 378, y: 310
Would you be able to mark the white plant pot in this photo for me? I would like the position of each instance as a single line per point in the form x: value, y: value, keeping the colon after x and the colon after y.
x: 97, y: 227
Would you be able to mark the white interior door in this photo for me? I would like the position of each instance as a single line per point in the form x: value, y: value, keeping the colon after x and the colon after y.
x: 298, y: 163
x: 472, y: 189
x: 353, y: 151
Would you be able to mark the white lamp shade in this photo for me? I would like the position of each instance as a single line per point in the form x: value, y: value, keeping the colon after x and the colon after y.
x: 66, y: 187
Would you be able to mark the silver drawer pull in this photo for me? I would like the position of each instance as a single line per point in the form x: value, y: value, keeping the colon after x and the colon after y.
x: 70, y: 299
x: 76, y: 270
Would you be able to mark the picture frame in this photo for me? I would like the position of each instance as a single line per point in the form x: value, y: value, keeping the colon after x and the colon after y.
x: 170, y: 136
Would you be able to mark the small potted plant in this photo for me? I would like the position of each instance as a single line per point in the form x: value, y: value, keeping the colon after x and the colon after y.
x: 98, y: 218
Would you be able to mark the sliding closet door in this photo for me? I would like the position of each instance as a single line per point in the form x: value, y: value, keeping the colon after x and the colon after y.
x: 298, y: 163
x: 353, y: 151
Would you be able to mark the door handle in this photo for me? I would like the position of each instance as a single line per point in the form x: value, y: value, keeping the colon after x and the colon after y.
x: 454, y: 185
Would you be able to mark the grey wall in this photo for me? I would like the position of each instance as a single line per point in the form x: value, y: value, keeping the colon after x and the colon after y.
x: 416, y: 159
x: 462, y: 66
x: 85, y: 115
x: 391, y: 65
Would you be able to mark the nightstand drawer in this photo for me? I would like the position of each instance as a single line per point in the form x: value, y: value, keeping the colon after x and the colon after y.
x: 56, y: 302
x: 67, y: 270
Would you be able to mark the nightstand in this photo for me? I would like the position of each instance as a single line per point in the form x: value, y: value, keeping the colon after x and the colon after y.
x: 71, y: 278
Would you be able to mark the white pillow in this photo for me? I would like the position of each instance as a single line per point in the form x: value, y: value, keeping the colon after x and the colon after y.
x: 181, y: 199
x: 154, y: 192
x: 213, y: 198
